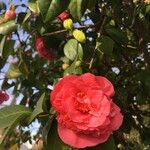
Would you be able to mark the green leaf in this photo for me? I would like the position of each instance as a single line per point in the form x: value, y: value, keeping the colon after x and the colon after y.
x: 8, y: 27
x: 2, y: 45
x: 77, y: 8
x: 27, y: 16
x: 47, y: 127
x: 8, y: 48
x: 51, y: 8
x: 54, y: 142
x: 33, y: 6
x: 109, y: 145
x: 2, y: 6
x: 72, y: 48
x: 10, y: 116
x: 6, y: 132
x: 13, y: 113
x: 117, y: 35
x: 73, y: 69
x: 24, y: 68
x: 38, y: 109
x: 80, y: 51
x: 147, y: 10
x: 13, y: 72
x: 105, y: 44
x: 91, y: 4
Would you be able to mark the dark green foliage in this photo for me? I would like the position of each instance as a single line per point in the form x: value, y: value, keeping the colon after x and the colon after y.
x: 117, y: 46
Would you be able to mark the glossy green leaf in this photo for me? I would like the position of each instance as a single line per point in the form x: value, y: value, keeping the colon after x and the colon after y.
x: 2, y: 6
x: 8, y: 48
x: 38, y: 109
x: 2, y: 42
x: 91, y: 4
x: 80, y: 51
x: 13, y: 72
x: 27, y: 16
x: 147, y: 10
x: 77, y: 8
x: 73, y: 69
x: 8, y: 27
x: 33, y: 6
x: 105, y: 44
x: 6, y: 132
x: 11, y: 114
x: 72, y: 48
x: 46, y: 128
x: 24, y: 68
x: 117, y: 35
x: 53, y: 140
x: 51, y: 8
x: 109, y: 145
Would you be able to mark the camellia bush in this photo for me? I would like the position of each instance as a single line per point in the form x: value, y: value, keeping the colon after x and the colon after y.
x: 79, y: 71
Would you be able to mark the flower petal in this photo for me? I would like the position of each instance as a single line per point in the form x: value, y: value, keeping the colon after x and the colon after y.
x: 105, y: 86
x: 117, y: 119
x: 59, y: 85
x: 79, y: 140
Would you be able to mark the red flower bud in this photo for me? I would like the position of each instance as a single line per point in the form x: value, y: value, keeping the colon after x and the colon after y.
x: 10, y: 14
x: 63, y: 16
x: 42, y: 52
x: 3, y: 97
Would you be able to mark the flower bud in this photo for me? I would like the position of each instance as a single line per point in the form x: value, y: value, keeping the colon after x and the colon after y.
x: 68, y: 24
x: 10, y: 14
x: 3, y: 97
x: 42, y: 51
x: 65, y: 66
x: 78, y: 63
x: 79, y: 36
x: 39, y: 43
x: 63, y: 16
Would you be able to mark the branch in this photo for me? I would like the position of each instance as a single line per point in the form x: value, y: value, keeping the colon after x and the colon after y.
x: 101, y: 27
x: 98, y: 36
x: 18, y: 37
x: 64, y: 30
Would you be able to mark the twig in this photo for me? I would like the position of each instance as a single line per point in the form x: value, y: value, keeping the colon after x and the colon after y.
x: 45, y: 115
x: 96, y: 47
x: 64, y: 30
x: 55, y: 32
x: 101, y: 28
x: 129, y: 46
x: 18, y: 37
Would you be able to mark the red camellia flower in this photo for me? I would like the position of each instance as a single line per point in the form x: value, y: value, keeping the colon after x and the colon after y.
x: 63, y: 16
x: 3, y: 97
x: 86, y: 114
x: 42, y: 52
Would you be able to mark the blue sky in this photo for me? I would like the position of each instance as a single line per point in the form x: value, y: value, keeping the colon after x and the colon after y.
x: 16, y: 1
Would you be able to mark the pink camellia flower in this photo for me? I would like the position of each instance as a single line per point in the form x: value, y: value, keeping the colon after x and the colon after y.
x: 42, y: 52
x: 3, y: 97
x: 86, y: 114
